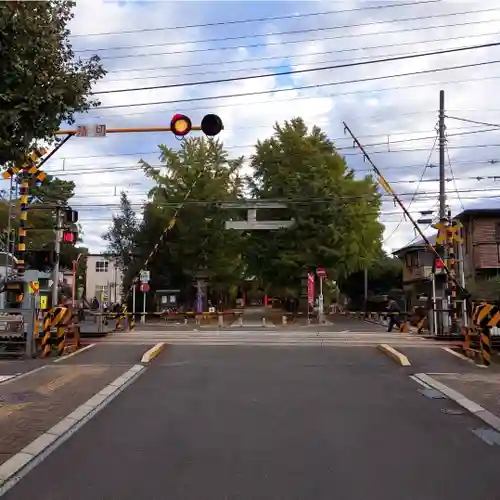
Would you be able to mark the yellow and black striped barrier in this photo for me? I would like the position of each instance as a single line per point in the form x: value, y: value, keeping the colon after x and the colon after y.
x: 55, y: 324
x: 486, y: 346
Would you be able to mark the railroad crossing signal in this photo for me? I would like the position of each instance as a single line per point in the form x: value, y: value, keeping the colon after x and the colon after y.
x: 181, y: 125
x: 448, y: 233
x: 29, y: 167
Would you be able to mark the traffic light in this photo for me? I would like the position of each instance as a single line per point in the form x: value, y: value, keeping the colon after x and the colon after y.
x: 43, y: 259
x: 211, y: 125
x: 69, y: 236
x: 70, y: 216
x: 180, y: 125
x: 438, y: 264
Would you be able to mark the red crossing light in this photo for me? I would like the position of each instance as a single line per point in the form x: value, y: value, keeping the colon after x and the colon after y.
x: 180, y: 125
x: 69, y: 237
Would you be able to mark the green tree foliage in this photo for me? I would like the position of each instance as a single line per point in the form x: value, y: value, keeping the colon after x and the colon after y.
x: 385, y: 275
x: 189, y: 187
x: 42, y: 84
x: 336, y: 214
x: 121, y: 236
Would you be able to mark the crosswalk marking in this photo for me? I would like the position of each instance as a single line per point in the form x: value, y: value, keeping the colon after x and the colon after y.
x: 265, y: 338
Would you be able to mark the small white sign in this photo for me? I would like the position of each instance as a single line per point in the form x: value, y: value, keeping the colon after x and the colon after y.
x: 145, y: 276
x: 91, y: 131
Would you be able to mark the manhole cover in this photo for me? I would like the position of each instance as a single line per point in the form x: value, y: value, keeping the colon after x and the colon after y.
x: 453, y: 411
x: 432, y: 394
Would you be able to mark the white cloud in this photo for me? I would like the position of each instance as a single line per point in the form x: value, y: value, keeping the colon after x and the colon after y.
x: 382, y: 111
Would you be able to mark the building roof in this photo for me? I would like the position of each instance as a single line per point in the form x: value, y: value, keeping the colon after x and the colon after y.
x: 420, y: 243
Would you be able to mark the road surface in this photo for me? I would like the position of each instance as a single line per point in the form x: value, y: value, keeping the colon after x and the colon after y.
x: 248, y: 422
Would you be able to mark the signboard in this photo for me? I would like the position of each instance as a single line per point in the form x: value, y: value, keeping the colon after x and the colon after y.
x: 34, y: 287
x: 43, y: 301
x: 144, y: 287
x: 145, y: 276
x: 310, y: 289
x: 320, y: 271
x: 91, y: 131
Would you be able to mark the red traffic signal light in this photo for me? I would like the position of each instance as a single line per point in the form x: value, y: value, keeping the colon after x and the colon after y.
x: 180, y: 125
x: 211, y: 125
x: 69, y: 237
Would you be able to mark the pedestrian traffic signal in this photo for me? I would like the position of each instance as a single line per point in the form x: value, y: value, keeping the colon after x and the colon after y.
x: 43, y: 259
x: 180, y: 125
x: 211, y: 125
x: 69, y: 236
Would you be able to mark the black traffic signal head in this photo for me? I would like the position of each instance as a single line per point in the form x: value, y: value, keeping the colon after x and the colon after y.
x: 180, y: 125
x: 211, y: 125
x: 70, y: 216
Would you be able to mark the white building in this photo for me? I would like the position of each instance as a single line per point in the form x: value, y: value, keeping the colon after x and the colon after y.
x: 103, y: 278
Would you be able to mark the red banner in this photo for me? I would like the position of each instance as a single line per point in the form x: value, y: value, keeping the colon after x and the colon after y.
x: 310, y: 289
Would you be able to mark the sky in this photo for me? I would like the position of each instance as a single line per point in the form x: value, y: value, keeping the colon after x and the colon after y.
x: 147, y: 44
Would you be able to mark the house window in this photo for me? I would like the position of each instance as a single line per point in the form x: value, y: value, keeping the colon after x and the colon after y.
x: 101, y: 266
x: 412, y: 259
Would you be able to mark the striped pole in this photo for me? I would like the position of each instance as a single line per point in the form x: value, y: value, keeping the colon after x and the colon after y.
x: 23, y: 218
x: 486, y: 346
x: 453, y: 283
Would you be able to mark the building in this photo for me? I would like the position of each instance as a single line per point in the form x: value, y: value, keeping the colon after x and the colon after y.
x: 480, y: 251
x: 103, y: 279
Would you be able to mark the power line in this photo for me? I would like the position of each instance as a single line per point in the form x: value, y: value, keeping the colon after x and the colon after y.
x: 304, y: 71
x: 298, y: 56
x: 290, y: 32
x: 289, y: 42
x: 256, y: 20
x: 303, y: 87
x: 416, y: 190
x: 453, y: 175
x: 473, y: 121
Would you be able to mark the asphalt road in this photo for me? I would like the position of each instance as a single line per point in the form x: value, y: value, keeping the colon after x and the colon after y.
x: 280, y: 423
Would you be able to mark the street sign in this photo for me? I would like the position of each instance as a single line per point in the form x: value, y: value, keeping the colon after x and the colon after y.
x: 321, y: 273
x: 145, y: 276
x: 34, y: 287
x: 91, y: 131
x: 144, y: 287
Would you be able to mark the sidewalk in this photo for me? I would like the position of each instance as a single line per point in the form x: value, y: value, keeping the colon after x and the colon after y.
x: 482, y: 388
x: 32, y: 404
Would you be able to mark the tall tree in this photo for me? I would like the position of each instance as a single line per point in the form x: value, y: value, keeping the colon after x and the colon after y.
x: 335, y: 215
x: 121, y: 236
x: 42, y: 84
x: 192, y: 182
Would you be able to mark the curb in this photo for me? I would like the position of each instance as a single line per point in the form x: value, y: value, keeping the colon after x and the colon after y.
x: 17, y: 466
x: 74, y: 353
x: 395, y: 355
x: 148, y: 356
x: 472, y: 407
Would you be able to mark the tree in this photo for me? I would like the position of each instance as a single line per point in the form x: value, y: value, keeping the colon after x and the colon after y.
x: 121, y: 236
x: 189, y: 188
x: 335, y: 215
x: 42, y: 84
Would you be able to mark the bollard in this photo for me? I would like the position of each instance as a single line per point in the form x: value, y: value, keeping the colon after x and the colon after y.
x: 263, y: 321
x: 185, y: 321
x: 486, y: 346
x: 284, y: 320
x: 240, y: 321
x: 221, y: 320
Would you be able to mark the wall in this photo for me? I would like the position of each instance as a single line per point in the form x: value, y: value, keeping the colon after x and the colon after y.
x: 112, y: 279
x: 417, y: 265
x: 482, y: 235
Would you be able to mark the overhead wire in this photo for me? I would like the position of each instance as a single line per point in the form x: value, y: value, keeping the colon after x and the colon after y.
x: 303, y: 71
x: 290, y: 42
x: 289, y: 32
x: 304, y: 87
x: 452, y: 174
x: 416, y: 191
x: 258, y: 19
x: 299, y: 56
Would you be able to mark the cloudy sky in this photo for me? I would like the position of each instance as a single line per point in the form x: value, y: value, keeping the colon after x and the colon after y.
x: 147, y: 44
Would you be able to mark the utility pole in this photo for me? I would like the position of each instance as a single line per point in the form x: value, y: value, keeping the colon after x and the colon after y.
x: 443, y: 219
x: 57, y: 251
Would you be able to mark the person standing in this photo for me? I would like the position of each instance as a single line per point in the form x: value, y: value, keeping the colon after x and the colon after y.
x: 394, y: 310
